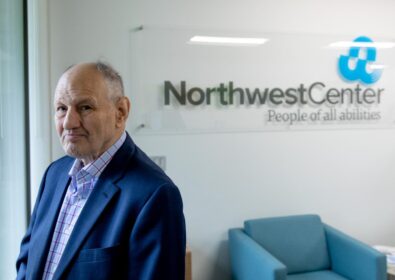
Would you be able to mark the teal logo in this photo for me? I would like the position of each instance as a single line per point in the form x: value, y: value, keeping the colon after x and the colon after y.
x: 356, y: 66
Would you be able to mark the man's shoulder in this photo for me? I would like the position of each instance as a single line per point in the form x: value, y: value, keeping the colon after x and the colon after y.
x: 143, y: 168
x: 143, y: 179
x: 65, y: 160
x: 142, y: 174
x: 60, y: 165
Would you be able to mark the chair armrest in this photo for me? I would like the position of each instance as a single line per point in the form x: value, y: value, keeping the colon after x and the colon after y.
x: 250, y: 261
x: 354, y: 259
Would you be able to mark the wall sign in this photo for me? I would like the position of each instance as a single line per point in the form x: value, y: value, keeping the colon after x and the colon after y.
x: 192, y: 81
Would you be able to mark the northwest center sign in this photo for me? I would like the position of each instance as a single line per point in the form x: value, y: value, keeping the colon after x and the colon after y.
x: 289, y: 82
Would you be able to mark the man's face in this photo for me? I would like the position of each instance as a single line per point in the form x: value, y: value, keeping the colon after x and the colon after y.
x: 85, y: 116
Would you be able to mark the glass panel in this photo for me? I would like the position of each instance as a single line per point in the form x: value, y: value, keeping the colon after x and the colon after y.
x: 12, y: 136
x: 193, y: 80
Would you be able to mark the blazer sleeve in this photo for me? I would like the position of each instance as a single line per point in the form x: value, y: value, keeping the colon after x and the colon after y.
x: 157, y: 242
x: 21, y: 263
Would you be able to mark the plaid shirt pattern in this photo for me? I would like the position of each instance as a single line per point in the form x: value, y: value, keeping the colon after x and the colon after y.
x: 83, y: 179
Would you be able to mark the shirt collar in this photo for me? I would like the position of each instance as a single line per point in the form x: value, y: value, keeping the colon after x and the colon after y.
x: 96, y: 168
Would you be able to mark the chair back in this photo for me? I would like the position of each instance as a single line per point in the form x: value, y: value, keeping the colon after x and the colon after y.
x: 297, y: 241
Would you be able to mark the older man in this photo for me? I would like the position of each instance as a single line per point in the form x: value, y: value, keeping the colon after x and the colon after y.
x: 104, y: 211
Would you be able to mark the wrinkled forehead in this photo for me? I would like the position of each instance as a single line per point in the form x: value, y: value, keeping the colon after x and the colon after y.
x: 81, y: 82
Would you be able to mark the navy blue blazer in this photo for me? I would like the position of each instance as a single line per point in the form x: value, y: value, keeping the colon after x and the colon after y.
x: 132, y: 225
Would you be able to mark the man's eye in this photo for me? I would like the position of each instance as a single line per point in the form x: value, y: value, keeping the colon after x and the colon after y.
x: 61, y: 109
x: 85, y: 108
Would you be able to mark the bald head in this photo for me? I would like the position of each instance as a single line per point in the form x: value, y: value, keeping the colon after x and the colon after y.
x: 111, y: 77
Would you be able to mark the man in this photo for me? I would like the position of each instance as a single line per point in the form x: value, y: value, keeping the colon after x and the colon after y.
x: 104, y: 211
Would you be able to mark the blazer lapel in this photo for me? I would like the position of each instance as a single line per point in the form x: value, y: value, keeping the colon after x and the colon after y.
x: 95, y: 205
x: 42, y: 243
x: 102, y: 193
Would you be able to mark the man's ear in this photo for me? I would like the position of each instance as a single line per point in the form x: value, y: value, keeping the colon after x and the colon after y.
x: 122, y: 106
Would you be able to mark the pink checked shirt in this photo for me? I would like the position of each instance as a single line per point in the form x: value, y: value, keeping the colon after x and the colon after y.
x: 83, y: 180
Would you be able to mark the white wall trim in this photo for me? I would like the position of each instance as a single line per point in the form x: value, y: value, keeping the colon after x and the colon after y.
x: 40, y: 119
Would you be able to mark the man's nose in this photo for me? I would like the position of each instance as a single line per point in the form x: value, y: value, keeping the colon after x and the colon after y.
x: 72, y: 119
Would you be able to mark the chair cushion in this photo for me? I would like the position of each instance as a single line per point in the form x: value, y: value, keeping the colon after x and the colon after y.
x: 297, y: 241
x: 318, y: 275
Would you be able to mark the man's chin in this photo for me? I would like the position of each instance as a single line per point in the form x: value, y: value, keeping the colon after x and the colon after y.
x: 73, y: 151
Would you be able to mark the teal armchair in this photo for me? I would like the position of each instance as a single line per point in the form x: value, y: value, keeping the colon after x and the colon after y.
x: 300, y: 248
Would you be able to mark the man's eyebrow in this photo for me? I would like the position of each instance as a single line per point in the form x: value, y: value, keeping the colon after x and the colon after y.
x: 86, y: 99
x: 77, y: 100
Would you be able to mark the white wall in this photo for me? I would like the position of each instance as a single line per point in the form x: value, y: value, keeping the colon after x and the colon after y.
x: 343, y: 175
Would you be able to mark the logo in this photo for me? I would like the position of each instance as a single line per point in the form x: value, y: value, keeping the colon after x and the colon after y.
x: 357, y: 65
